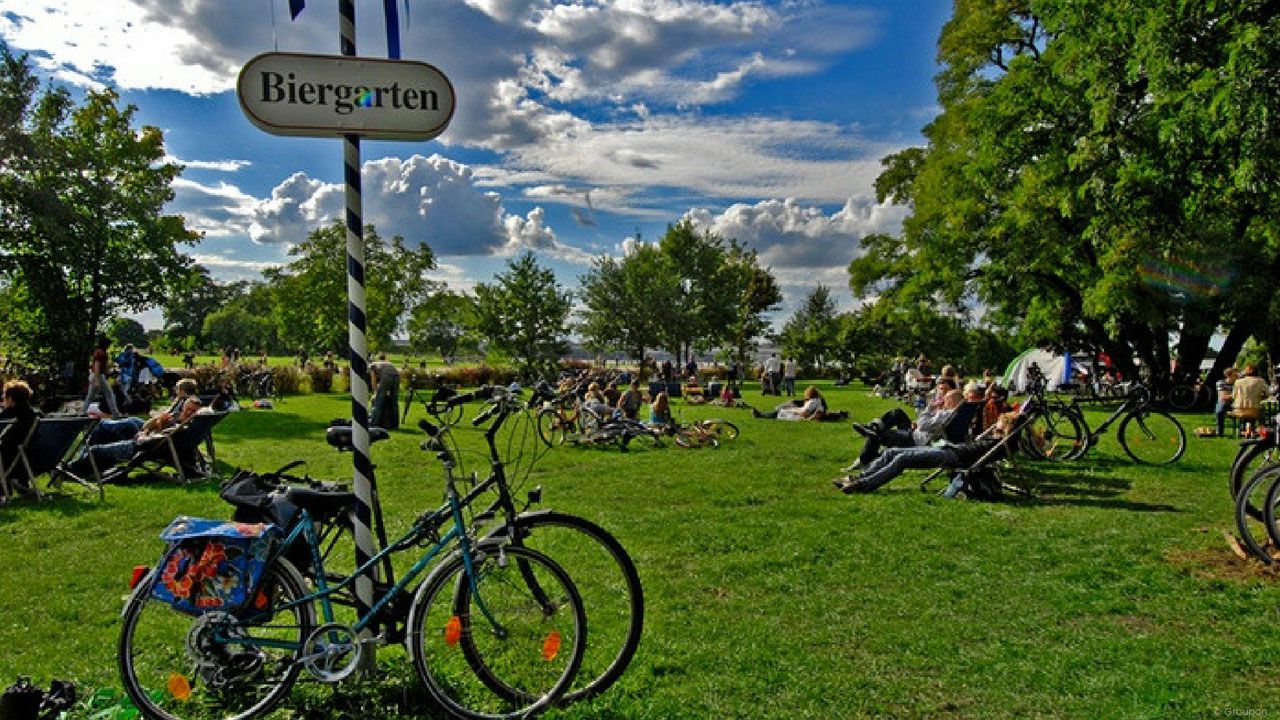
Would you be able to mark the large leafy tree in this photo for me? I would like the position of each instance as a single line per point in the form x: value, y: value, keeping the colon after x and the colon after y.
x: 311, y: 291
x: 82, y: 232
x: 1100, y: 176
x: 627, y: 301
x: 186, y: 308
x: 523, y: 313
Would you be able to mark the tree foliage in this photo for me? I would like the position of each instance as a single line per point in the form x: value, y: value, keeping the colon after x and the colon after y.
x: 812, y: 333
x: 444, y: 323
x: 523, y: 313
x: 82, y: 232
x: 310, y: 293
x: 1102, y: 175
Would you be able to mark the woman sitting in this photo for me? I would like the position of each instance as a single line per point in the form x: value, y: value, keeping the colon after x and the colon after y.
x: 17, y: 407
x: 660, y: 410
x: 116, y: 441
x: 814, y: 407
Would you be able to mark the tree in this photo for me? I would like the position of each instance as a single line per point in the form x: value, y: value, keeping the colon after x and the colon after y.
x: 627, y: 301
x: 1101, y: 176
x: 310, y: 293
x: 444, y: 323
x: 186, y: 308
x: 82, y: 234
x: 750, y: 293
x: 523, y: 314
x: 126, y: 331
x: 235, y: 327
x: 812, y: 333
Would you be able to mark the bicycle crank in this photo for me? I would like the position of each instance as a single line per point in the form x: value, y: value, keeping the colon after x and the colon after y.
x: 332, y: 653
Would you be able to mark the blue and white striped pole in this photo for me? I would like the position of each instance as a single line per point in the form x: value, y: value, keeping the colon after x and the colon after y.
x: 363, y: 480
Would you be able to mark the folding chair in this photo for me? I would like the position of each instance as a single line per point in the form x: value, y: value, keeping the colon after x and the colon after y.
x: 178, y: 448
x: 12, y: 471
x: 181, y: 449
x: 999, y: 449
x: 56, y: 442
x: 965, y: 425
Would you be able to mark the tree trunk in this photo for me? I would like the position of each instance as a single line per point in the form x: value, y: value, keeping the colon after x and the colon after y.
x: 1230, y: 350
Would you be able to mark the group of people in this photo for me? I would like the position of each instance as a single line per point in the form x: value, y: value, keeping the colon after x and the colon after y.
x: 1241, y: 397
x: 778, y: 376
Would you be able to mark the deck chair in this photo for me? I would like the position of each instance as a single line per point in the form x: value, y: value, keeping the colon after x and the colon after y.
x: 179, y: 449
x: 55, y: 441
x: 965, y: 425
x: 960, y: 476
x: 19, y: 467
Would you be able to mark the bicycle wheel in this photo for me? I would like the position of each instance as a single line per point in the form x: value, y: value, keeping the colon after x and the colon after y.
x: 640, y: 435
x: 551, y: 427
x: 1251, y: 524
x: 1269, y: 513
x: 1054, y: 434
x: 506, y: 648
x: 691, y: 437
x: 606, y: 578
x: 720, y: 429
x: 1251, y: 455
x: 1182, y: 397
x: 1153, y: 437
x: 215, y: 665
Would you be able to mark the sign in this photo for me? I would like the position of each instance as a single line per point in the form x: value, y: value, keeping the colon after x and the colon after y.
x: 332, y: 95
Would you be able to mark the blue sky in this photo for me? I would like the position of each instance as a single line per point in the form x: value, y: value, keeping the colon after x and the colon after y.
x: 578, y: 126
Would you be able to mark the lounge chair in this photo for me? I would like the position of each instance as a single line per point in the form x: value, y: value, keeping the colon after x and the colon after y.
x: 177, y: 448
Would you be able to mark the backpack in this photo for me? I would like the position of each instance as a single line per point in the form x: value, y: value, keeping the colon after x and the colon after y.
x: 976, y: 484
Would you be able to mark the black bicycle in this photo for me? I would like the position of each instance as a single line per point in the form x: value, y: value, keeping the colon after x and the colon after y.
x: 1255, y: 475
x: 604, y: 573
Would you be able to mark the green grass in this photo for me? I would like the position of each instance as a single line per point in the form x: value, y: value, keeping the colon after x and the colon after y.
x: 770, y: 595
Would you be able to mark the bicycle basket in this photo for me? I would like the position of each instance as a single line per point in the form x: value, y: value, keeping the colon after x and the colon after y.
x: 212, y: 565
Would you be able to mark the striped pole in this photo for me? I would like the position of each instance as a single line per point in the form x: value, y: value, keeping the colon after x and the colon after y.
x: 363, y: 480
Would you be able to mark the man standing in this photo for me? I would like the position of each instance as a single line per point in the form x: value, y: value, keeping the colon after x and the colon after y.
x: 772, y: 373
x: 98, y: 381
x: 789, y: 376
x: 386, y: 393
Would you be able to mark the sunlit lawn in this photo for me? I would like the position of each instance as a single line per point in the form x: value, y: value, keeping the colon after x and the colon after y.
x: 771, y: 595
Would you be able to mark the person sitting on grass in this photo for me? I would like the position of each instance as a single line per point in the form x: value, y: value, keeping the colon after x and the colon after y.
x: 630, y: 401
x: 660, y: 410
x: 894, y: 461
x: 812, y: 407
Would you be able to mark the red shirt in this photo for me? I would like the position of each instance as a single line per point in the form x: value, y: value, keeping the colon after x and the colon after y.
x: 99, y: 363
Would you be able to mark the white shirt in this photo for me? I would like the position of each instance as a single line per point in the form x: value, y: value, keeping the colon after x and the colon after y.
x: 789, y: 370
x: 771, y: 365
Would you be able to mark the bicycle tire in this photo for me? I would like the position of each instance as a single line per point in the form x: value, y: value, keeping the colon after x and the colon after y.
x: 1148, y: 435
x: 1055, y: 435
x: 551, y: 426
x: 1182, y: 397
x: 155, y: 685
x: 720, y: 429
x: 483, y: 675
x: 1250, y: 525
x: 1269, y: 513
x: 689, y: 438
x: 610, y: 587
x: 1246, y: 463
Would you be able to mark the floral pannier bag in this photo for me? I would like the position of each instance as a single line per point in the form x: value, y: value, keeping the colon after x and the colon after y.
x: 212, y: 565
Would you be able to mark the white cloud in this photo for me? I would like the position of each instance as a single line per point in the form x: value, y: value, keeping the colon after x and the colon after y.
x: 220, y: 210
x: 228, y: 166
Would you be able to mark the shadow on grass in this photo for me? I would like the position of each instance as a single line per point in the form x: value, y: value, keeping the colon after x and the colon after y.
x: 1062, y: 487
x: 63, y: 503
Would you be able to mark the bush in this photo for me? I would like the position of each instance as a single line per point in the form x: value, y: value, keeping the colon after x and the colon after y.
x: 321, y: 378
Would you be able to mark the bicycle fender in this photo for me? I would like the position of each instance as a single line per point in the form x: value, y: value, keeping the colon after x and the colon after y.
x: 500, y: 531
x: 482, y: 545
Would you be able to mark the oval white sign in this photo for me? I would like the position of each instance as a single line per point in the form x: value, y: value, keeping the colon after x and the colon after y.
x: 332, y: 95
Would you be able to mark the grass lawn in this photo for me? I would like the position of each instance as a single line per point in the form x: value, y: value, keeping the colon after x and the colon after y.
x: 770, y: 595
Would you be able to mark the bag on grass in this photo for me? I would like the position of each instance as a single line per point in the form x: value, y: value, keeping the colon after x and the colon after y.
x: 212, y: 564
x: 982, y: 484
x: 21, y: 701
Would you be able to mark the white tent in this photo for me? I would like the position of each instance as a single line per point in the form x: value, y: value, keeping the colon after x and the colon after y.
x: 1056, y: 369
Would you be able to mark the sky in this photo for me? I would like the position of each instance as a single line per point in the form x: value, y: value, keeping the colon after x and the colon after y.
x: 581, y: 128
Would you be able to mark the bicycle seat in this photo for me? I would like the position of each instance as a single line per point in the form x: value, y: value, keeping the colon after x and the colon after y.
x: 340, y: 437
x: 320, y: 503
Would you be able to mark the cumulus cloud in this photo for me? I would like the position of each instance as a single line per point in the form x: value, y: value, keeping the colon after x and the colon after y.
x: 424, y: 199
x: 791, y: 236
x: 219, y: 210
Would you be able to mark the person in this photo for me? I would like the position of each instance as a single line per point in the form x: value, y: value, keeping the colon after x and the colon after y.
x: 789, y: 376
x: 997, y: 404
x: 303, y: 357
x: 127, y: 361
x: 17, y: 407
x: 894, y: 461
x: 814, y: 407
x: 923, y: 365
x: 329, y: 364
x: 189, y: 360
x: 735, y: 371
x: 1224, y: 388
x: 630, y: 401
x: 611, y: 394
x: 98, y: 382
x: 116, y: 441
x: 595, y: 401
x: 262, y: 358
x: 691, y: 370
x: 895, y: 429
x: 660, y: 410
x: 772, y: 374
x: 1247, y: 395
x: 386, y: 393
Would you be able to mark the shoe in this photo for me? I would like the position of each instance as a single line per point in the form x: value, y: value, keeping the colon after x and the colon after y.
x: 853, y: 468
x: 842, y: 481
x: 755, y: 413
x: 863, y: 430
x: 857, y: 486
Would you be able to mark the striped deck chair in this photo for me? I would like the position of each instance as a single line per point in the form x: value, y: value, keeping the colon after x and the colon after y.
x: 18, y: 468
x: 178, y: 449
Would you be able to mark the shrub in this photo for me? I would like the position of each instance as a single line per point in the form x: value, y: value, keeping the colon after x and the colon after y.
x: 321, y: 378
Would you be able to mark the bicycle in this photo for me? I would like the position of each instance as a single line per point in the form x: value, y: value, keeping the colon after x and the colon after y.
x: 1252, y: 480
x: 603, y: 570
x: 490, y: 638
x: 453, y: 417
x: 1147, y: 436
x: 561, y: 416
x: 703, y: 433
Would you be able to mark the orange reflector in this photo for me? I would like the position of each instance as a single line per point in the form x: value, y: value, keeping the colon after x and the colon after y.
x: 551, y: 646
x: 139, y: 572
x: 452, y: 631
x: 179, y: 688
x: 260, y: 601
